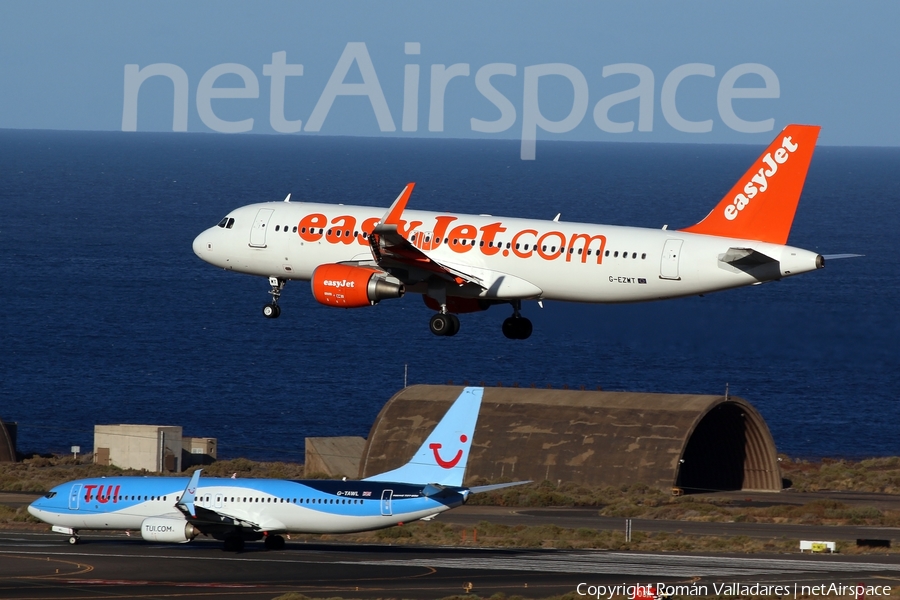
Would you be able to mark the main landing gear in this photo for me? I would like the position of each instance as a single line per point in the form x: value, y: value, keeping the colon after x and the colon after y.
x: 272, y: 310
x: 517, y: 327
x: 444, y: 323
x: 274, y: 542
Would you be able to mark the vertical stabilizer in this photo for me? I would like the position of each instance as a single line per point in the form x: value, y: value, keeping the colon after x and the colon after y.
x: 762, y: 203
x: 442, y: 458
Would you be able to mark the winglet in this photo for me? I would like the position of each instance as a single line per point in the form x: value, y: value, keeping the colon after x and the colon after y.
x: 392, y: 216
x: 186, y: 503
x: 762, y: 204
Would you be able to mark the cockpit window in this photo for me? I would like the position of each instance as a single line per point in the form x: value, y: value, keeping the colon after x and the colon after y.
x: 49, y: 494
x: 230, y: 224
x: 222, y: 222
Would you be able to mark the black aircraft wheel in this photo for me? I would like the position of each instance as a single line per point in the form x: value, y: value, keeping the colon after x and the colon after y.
x: 454, y: 324
x: 509, y: 328
x: 271, y: 311
x: 525, y: 328
x: 440, y: 324
x: 274, y: 542
x: 517, y: 328
x: 233, y: 544
x: 277, y: 311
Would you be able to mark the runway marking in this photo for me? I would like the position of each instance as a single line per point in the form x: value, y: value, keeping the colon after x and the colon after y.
x: 79, y: 569
x: 642, y: 564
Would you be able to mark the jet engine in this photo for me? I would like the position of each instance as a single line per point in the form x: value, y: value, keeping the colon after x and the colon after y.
x: 346, y: 286
x: 162, y: 529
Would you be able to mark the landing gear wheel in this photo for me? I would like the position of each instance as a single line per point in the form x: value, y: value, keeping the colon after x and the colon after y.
x: 274, y: 542
x: 440, y: 324
x: 272, y: 310
x: 454, y: 324
x: 517, y: 328
x: 233, y: 544
x: 74, y: 539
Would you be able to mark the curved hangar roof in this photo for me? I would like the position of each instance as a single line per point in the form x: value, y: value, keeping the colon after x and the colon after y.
x: 598, y: 438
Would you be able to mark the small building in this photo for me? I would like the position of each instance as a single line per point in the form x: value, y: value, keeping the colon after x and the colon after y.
x: 153, y: 448
x: 197, y: 451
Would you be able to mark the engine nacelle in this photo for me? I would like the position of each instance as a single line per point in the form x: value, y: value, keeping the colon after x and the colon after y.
x: 346, y: 286
x: 162, y: 529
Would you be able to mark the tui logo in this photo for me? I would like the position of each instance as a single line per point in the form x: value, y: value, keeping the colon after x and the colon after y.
x: 448, y: 464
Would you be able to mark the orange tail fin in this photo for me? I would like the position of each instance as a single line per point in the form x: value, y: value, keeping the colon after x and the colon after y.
x: 762, y: 203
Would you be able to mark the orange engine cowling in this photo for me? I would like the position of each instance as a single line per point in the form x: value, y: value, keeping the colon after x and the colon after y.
x: 346, y: 286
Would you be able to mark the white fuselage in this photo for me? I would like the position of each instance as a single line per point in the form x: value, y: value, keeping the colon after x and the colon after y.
x: 271, y: 505
x: 517, y: 258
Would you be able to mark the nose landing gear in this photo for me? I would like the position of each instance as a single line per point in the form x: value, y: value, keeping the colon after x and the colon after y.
x: 272, y: 310
x: 517, y: 327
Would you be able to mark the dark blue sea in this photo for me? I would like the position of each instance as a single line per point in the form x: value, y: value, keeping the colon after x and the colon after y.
x: 106, y: 315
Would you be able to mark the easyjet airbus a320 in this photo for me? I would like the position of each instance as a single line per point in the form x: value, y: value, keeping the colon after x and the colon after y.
x: 356, y: 256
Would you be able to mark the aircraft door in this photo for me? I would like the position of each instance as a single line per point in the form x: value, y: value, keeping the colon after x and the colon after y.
x: 258, y: 232
x: 74, y: 496
x: 668, y: 268
x: 386, y: 496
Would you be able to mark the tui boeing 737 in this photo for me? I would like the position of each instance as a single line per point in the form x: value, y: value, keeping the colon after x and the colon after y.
x: 356, y: 256
x: 172, y: 509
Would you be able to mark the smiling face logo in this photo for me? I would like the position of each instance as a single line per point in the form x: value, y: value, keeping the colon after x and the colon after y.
x: 448, y: 464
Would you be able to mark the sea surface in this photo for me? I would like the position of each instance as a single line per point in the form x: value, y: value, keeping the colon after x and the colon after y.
x: 107, y: 316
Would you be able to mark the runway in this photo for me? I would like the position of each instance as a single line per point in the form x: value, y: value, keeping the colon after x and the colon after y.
x: 42, y: 565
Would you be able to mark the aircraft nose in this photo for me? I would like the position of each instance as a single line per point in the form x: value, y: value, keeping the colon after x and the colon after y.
x: 203, y: 244
x: 34, y: 510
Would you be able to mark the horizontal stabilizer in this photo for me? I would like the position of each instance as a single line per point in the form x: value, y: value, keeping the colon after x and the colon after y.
x: 745, y: 257
x: 497, y: 486
x: 837, y: 256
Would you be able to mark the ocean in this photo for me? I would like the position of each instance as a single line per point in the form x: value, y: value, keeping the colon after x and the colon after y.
x: 107, y: 316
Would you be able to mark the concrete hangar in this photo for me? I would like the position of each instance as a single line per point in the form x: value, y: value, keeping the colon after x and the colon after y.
x: 691, y: 442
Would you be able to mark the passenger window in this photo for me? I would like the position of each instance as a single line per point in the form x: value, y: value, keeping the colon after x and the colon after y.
x: 346, y: 234
x: 644, y: 255
x: 277, y: 227
x: 616, y: 254
x: 634, y: 255
x: 606, y: 253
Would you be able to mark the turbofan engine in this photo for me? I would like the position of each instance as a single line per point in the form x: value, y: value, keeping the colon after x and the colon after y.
x: 161, y: 529
x: 346, y: 286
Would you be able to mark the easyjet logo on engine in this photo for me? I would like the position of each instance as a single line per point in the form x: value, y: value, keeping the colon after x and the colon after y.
x: 760, y: 181
x: 338, y: 284
x: 489, y: 240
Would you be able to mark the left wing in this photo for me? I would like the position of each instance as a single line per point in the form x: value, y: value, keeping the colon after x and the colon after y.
x: 393, y: 252
x: 202, y: 517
